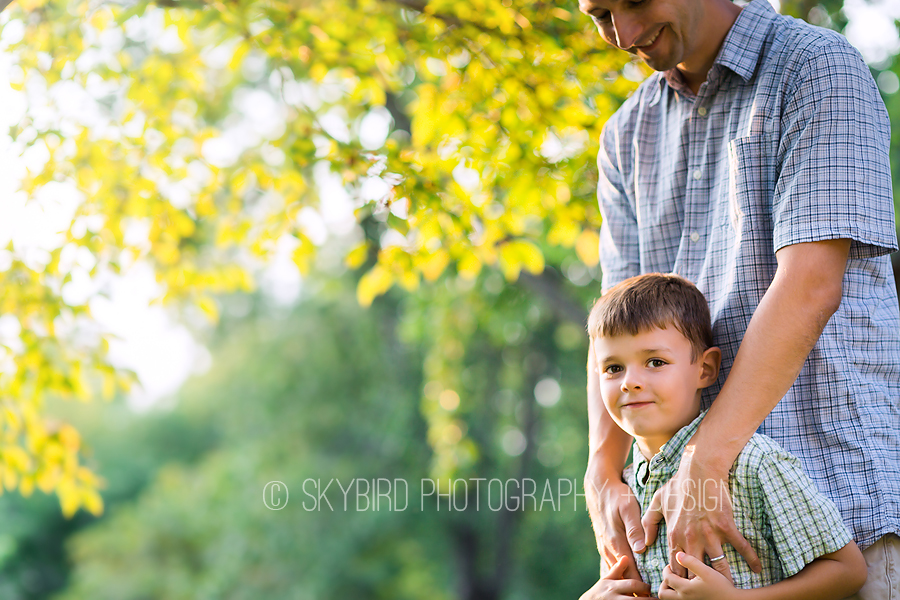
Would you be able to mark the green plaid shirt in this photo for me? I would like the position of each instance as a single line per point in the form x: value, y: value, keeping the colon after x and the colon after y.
x: 776, y: 507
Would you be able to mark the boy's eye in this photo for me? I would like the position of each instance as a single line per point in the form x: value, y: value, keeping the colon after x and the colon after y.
x: 612, y: 369
x: 656, y: 362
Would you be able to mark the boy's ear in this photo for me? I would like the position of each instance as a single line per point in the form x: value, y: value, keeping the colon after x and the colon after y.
x: 709, y: 366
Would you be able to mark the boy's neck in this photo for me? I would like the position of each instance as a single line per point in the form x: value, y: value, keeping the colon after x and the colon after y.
x: 650, y: 446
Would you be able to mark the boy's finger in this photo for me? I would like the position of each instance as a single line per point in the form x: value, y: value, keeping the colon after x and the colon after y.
x: 618, y: 570
x: 671, y: 583
x: 694, y: 565
x: 629, y: 587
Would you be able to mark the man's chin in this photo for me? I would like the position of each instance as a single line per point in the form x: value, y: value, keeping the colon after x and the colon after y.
x: 659, y: 64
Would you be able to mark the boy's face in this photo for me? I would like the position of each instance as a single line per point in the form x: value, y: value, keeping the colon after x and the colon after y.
x: 649, y: 384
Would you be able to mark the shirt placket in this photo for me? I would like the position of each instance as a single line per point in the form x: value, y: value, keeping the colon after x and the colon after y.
x: 699, y: 184
x: 658, y: 475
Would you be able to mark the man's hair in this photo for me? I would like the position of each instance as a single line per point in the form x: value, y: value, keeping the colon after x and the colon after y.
x: 654, y: 300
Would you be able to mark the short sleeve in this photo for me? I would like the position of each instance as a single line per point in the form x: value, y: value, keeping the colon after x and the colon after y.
x: 804, y: 523
x: 835, y: 177
x: 619, y: 250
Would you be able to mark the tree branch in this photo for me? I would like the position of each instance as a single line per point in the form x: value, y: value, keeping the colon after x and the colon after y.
x: 549, y: 286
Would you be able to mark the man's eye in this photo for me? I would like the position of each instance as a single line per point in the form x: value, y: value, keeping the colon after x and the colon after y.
x: 600, y: 16
x: 655, y: 362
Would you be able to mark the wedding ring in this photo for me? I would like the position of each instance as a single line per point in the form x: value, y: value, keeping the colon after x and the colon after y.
x: 716, y: 558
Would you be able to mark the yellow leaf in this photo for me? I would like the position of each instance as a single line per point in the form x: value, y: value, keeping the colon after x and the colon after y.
x: 357, y: 256
x: 13, y: 423
x: 434, y: 265
x: 16, y: 458
x: 518, y: 254
x: 588, y: 247
x: 69, y: 500
x: 26, y: 486
x: 563, y: 232
x: 425, y: 117
x: 409, y: 280
x: 469, y: 266
x: 209, y: 307
x: 10, y: 479
x: 69, y: 438
x: 92, y: 502
x: 374, y: 283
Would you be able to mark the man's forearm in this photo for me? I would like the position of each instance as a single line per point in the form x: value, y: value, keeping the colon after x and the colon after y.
x: 786, y: 325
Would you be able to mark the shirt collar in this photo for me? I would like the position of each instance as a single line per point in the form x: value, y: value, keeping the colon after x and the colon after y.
x: 666, y: 461
x: 741, y: 50
x: 742, y: 47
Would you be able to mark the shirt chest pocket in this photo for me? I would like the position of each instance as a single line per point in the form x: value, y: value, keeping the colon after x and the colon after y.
x: 747, y: 202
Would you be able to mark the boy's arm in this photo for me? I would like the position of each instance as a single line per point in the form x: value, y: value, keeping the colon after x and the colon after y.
x: 833, y: 576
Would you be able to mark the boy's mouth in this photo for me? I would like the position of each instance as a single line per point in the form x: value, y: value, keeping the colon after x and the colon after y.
x: 637, y: 404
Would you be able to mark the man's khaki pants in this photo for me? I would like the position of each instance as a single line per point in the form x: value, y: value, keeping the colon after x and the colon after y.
x: 883, y: 560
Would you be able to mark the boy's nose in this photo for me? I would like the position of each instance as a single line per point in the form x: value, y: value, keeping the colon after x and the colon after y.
x: 630, y: 383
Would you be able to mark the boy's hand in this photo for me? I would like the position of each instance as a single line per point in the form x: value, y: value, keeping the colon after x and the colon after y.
x: 612, y: 586
x: 708, y: 584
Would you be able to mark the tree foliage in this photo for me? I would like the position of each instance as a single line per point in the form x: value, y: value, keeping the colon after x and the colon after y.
x: 410, y: 140
x: 488, y: 162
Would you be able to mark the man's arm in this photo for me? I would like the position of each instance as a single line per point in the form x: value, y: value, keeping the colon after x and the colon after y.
x: 804, y: 293
x: 833, y: 576
x: 615, y: 513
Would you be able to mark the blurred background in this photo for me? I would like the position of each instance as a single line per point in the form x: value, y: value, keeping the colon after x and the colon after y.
x: 248, y: 241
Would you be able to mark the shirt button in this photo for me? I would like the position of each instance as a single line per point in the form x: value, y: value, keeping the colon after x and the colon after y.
x: 654, y: 563
x: 698, y: 174
x: 702, y: 111
x: 695, y: 237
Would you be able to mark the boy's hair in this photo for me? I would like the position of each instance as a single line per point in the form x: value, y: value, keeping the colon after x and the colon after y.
x: 654, y: 300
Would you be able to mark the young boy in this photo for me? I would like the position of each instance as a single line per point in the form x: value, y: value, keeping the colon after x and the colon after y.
x: 652, y: 341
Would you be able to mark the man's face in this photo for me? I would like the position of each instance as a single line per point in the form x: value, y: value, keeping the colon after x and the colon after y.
x: 661, y: 32
x: 650, y: 384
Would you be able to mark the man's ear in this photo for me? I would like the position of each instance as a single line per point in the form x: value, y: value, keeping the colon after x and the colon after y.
x: 709, y: 366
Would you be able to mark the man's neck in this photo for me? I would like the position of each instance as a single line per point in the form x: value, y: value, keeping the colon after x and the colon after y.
x: 717, y: 22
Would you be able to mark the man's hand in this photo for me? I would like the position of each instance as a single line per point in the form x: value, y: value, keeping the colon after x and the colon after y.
x: 616, y: 517
x: 615, y: 586
x: 697, y: 509
x: 708, y: 583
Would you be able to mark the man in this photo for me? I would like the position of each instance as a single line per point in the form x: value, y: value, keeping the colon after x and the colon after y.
x: 755, y: 164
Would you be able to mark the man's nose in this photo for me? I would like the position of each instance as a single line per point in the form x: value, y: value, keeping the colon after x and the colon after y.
x: 627, y: 29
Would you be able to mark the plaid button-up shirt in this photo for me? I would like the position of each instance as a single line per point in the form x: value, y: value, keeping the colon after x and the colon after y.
x: 776, y: 508
x: 786, y: 142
